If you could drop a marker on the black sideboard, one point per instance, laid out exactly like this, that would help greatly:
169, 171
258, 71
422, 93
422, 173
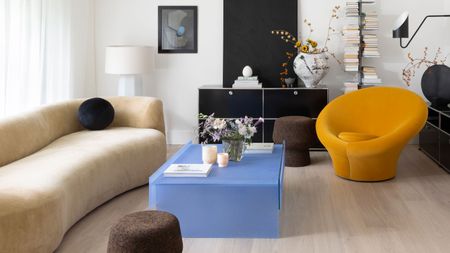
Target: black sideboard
434, 139
268, 103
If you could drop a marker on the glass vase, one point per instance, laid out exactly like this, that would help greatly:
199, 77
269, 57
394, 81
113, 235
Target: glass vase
234, 148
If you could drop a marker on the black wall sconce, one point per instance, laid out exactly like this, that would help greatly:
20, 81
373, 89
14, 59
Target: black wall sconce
401, 27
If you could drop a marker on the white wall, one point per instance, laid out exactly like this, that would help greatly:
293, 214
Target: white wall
177, 77
434, 34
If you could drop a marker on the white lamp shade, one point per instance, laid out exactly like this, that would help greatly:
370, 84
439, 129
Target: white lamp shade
128, 60
401, 20
401, 27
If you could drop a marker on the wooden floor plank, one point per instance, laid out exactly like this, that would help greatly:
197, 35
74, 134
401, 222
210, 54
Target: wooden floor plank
321, 213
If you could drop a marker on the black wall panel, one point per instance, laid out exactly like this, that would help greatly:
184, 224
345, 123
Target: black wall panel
248, 39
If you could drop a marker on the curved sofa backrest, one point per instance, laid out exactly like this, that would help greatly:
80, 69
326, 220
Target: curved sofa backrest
25, 134
376, 110
139, 112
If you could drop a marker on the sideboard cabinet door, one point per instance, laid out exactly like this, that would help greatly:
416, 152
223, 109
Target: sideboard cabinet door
444, 150
429, 140
294, 102
231, 103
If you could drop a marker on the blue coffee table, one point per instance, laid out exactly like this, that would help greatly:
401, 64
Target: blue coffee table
242, 200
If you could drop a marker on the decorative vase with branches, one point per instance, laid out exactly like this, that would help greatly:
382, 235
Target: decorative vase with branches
310, 60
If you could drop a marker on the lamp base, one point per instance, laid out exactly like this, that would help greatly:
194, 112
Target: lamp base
130, 85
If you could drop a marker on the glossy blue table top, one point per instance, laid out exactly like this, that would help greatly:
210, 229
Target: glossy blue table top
259, 169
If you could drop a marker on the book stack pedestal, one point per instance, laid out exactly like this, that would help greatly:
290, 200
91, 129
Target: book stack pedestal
361, 42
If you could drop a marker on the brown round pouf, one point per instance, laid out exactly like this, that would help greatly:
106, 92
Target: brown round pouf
298, 133
147, 231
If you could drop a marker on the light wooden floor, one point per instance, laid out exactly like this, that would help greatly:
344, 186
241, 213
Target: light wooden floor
321, 213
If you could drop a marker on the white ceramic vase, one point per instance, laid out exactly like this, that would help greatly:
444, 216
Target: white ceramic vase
311, 68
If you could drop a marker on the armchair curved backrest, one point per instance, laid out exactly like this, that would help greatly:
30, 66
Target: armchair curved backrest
391, 115
377, 110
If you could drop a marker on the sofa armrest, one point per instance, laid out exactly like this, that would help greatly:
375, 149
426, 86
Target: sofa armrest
139, 112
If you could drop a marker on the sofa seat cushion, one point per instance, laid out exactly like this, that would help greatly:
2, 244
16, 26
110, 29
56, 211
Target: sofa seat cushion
44, 194
355, 137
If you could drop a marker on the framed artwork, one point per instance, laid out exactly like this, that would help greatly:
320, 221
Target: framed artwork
177, 29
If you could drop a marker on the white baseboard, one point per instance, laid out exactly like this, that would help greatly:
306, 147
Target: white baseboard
180, 136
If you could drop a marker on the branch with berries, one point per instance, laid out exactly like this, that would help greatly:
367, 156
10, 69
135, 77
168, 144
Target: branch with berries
307, 46
414, 64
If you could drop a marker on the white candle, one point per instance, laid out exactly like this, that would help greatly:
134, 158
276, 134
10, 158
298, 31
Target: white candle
209, 154
222, 159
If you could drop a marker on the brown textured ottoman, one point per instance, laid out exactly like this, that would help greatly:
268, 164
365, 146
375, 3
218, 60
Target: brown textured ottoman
298, 133
147, 231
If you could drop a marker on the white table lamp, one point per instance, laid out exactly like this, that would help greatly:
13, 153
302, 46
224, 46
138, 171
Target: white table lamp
129, 62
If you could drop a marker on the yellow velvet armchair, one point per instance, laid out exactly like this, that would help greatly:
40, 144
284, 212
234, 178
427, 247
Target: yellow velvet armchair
366, 130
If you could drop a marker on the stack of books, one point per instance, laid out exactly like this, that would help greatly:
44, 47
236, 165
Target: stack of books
350, 86
247, 82
361, 42
370, 46
188, 170
351, 59
352, 36
371, 21
370, 76
352, 9
368, 2
370, 37
260, 148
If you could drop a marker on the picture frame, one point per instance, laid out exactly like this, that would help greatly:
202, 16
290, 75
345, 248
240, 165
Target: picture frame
177, 29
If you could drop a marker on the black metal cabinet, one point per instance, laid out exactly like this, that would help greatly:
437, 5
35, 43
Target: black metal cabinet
269, 103
434, 139
304, 102
429, 141
268, 130
231, 103
444, 150
433, 117
316, 142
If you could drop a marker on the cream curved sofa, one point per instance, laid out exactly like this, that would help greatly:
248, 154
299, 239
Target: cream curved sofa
53, 172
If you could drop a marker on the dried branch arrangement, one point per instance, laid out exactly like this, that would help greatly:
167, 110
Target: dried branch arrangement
307, 45
414, 64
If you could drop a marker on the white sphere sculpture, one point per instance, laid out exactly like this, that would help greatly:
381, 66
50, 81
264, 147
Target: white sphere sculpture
247, 71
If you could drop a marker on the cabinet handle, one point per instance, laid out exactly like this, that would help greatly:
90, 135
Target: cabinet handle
230, 93
295, 93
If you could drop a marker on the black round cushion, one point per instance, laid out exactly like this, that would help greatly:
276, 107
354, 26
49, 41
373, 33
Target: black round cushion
96, 114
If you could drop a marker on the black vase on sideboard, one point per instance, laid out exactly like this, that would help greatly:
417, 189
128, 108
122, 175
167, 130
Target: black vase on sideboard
436, 85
